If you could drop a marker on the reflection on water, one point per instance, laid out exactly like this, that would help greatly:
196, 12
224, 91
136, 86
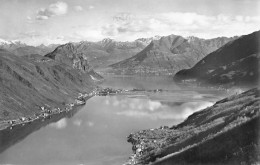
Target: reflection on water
9, 137
153, 109
96, 135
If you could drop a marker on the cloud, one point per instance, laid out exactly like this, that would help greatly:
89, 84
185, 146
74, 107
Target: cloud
90, 124
62, 123
135, 104
123, 17
153, 105
42, 17
125, 23
77, 122
91, 7
29, 34
165, 112
36, 38
129, 26
78, 8
87, 33
110, 30
28, 18
55, 9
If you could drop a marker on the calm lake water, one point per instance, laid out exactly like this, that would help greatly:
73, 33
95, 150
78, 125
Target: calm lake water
96, 133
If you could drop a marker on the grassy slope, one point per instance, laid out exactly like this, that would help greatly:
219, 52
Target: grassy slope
237, 62
227, 132
30, 82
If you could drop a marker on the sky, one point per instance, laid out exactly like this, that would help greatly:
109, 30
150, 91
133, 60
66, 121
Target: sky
46, 22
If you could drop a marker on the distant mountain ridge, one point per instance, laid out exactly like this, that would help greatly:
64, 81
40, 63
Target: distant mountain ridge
99, 54
27, 50
147, 41
237, 62
154, 55
21, 49
168, 55
11, 45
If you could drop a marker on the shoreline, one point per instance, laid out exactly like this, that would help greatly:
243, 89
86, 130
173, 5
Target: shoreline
148, 145
47, 113
180, 144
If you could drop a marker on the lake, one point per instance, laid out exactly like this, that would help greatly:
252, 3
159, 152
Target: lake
96, 133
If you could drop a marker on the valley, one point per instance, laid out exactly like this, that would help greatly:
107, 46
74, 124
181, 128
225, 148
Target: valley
97, 131
170, 96
129, 82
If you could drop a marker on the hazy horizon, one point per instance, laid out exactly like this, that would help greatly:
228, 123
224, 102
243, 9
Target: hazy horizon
36, 22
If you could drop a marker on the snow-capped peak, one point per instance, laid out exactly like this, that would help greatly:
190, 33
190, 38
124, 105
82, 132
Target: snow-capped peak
2, 42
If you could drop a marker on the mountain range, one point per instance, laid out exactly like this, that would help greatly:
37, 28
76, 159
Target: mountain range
100, 54
169, 54
220, 60
156, 55
21, 49
236, 63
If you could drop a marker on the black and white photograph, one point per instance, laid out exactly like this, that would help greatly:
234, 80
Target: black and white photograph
129, 82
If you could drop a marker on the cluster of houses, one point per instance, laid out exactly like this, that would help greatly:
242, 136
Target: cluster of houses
108, 91
46, 112
138, 151
140, 146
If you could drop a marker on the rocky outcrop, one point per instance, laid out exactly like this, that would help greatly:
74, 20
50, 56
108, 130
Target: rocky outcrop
225, 133
236, 63
168, 55
98, 54
69, 55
